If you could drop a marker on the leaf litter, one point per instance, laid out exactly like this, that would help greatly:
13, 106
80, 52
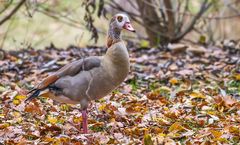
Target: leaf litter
179, 95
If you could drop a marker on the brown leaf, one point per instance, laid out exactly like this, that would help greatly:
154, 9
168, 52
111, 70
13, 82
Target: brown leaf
33, 108
229, 101
154, 96
53, 129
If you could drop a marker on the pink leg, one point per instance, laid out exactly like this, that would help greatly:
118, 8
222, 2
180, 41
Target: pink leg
85, 123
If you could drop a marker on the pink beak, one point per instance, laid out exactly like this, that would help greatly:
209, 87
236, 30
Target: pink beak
128, 27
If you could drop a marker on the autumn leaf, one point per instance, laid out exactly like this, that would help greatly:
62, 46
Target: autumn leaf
237, 76
52, 119
4, 125
16, 102
229, 101
234, 130
176, 127
177, 99
148, 139
173, 81
216, 133
77, 120
199, 95
18, 99
153, 95
33, 108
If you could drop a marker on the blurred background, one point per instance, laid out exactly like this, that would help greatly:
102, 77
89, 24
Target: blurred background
40, 23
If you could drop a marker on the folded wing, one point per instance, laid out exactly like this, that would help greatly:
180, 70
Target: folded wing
68, 70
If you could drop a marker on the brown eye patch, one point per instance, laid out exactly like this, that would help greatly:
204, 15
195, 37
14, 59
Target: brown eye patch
119, 18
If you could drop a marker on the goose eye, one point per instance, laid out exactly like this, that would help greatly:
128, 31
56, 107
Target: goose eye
119, 18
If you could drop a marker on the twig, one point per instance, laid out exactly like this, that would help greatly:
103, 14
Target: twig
12, 12
133, 5
203, 8
193, 15
119, 7
6, 7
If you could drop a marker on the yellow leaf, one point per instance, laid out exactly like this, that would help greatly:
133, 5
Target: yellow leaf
102, 107
52, 120
64, 140
148, 139
19, 120
237, 76
16, 114
65, 107
112, 120
16, 102
234, 130
162, 134
4, 125
48, 139
216, 133
77, 120
173, 81
2, 115
144, 43
176, 127
197, 95
20, 97
165, 108
222, 140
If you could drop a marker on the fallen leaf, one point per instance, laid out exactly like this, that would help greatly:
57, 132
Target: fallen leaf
195, 95
148, 139
176, 127
216, 133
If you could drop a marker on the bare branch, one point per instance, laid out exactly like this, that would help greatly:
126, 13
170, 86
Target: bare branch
204, 7
192, 15
12, 12
6, 7
119, 7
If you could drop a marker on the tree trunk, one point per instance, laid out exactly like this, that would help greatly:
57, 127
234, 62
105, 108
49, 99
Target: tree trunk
157, 32
170, 19
149, 20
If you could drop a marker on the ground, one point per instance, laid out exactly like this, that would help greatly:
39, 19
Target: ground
173, 95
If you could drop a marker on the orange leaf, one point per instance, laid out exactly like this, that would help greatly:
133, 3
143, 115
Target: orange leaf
33, 108
237, 76
173, 81
154, 96
216, 134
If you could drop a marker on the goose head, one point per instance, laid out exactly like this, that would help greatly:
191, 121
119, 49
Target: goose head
121, 21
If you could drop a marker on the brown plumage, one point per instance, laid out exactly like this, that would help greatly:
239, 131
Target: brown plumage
91, 78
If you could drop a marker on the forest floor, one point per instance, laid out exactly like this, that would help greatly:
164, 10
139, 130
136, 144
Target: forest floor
171, 96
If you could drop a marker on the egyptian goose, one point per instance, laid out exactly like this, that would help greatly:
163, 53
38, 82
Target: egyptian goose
93, 77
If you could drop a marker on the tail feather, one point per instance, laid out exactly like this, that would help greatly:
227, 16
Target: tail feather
35, 94
32, 90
